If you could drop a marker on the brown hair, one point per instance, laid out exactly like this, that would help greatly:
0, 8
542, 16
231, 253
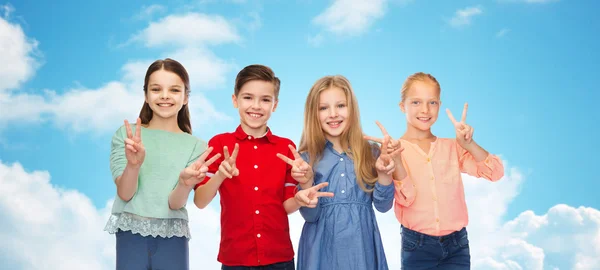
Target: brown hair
256, 72
183, 116
352, 140
419, 76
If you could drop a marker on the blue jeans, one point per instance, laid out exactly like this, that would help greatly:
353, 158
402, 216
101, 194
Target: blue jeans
289, 265
448, 252
136, 252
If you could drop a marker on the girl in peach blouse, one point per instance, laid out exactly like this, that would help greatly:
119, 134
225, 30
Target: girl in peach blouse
429, 197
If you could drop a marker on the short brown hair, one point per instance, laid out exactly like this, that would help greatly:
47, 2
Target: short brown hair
256, 72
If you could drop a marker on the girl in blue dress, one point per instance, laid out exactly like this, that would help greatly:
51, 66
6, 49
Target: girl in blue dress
341, 232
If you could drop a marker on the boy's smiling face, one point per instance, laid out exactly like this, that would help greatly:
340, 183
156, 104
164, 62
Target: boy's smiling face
255, 103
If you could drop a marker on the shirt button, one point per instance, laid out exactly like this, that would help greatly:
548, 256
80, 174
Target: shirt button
255, 147
249, 137
428, 159
437, 220
255, 166
432, 178
257, 212
255, 188
258, 235
343, 191
341, 159
342, 175
434, 198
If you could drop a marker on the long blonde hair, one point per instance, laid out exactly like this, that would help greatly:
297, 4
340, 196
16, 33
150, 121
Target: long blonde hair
352, 141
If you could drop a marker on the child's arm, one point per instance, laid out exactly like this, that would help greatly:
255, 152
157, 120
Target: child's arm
473, 159
383, 194
130, 151
476, 161
227, 169
189, 177
205, 193
298, 172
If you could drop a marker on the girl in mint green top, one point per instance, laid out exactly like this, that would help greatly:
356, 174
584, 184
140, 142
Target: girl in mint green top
155, 164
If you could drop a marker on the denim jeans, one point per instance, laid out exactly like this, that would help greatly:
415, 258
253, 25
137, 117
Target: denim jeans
136, 252
448, 252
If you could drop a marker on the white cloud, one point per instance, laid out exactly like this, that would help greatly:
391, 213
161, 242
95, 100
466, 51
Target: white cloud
188, 30
104, 108
148, 11
61, 222
502, 32
350, 17
48, 227
464, 16
20, 54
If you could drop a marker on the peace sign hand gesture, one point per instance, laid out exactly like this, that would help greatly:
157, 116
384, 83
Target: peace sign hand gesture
134, 149
310, 197
227, 166
301, 171
464, 132
196, 172
385, 163
393, 146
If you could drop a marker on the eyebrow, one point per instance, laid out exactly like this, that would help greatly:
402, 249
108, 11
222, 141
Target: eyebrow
172, 86
263, 96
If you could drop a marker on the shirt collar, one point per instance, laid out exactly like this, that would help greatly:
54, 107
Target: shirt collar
240, 134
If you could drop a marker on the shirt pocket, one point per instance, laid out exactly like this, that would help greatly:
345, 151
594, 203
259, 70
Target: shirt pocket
447, 170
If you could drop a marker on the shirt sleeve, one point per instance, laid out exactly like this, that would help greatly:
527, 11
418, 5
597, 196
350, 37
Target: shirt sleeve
214, 167
291, 184
491, 168
118, 161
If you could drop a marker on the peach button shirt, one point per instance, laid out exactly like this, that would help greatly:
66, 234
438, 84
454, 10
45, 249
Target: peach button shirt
431, 199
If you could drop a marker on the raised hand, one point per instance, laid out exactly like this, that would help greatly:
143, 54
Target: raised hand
310, 197
301, 171
394, 147
385, 163
196, 172
134, 149
227, 166
464, 132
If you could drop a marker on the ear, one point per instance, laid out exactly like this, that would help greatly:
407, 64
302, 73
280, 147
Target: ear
275, 105
234, 101
186, 99
401, 104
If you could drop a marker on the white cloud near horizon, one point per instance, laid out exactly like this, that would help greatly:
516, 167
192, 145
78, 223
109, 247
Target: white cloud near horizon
49, 225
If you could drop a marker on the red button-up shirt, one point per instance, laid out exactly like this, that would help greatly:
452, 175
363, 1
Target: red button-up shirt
254, 224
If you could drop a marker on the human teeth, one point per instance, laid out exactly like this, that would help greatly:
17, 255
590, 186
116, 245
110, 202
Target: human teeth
254, 115
164, 105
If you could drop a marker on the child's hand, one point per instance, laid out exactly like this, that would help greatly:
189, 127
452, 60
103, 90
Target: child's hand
196, 172
227, 166
394, 147
301, 171
385, 163
134, 149
464, 132
310, 197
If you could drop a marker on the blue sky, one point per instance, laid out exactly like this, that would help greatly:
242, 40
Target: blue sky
527, 68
